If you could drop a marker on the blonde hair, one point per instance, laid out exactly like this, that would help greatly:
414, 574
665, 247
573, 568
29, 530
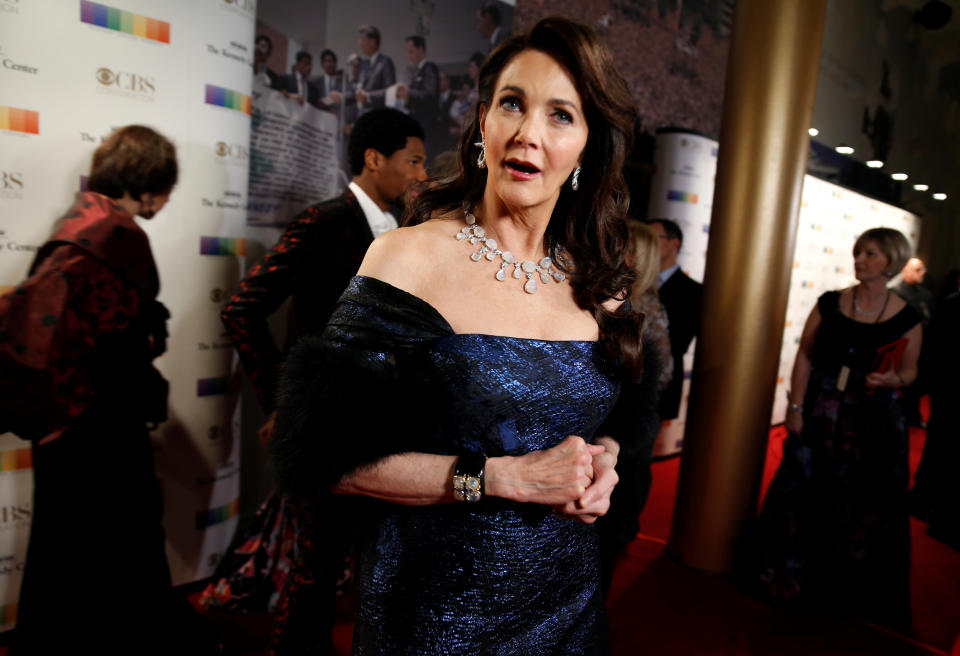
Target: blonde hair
645, 256
891, 243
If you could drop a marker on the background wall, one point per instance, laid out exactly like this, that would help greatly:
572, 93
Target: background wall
831, 218
78, 69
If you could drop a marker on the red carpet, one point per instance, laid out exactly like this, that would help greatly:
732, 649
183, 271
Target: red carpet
659, 607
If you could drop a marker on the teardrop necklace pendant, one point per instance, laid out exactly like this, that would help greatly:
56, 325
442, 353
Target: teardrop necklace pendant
490, 250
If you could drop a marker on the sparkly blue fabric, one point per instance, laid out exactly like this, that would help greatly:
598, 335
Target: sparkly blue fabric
497, 577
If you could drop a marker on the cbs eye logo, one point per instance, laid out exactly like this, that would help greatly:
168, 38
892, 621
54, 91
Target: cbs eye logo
222, 148
106, 77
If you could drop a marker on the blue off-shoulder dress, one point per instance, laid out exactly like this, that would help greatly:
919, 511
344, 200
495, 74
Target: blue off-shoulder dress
497, 577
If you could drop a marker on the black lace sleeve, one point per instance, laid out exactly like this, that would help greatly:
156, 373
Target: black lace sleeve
340, 405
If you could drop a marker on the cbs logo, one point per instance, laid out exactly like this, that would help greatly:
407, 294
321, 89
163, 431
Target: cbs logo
233, 151
11, 181
126, 81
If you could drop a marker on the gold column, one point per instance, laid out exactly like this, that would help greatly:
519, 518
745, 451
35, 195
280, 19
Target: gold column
768, 105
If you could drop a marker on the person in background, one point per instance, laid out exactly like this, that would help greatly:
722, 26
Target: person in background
297, 86
443, 121
681, 297
463, 386
77, 341
911, 290
620, 525
421, 94
466, 103
329, 80
312, 263
376, 71
834, 530
263, 46
488, 24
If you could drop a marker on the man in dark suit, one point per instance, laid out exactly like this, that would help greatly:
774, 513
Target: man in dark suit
489, 24
297, 85
313, 262
376, 72
329, 81
681, 298
424, 88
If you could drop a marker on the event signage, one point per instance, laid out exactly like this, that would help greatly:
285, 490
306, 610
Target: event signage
126, 66
15, 119
127, 22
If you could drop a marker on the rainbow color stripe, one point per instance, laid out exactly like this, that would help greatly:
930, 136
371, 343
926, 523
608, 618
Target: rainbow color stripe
19, 120
127, 22
8, 613
16, 459
683, 196
228, 98
213, 516
212, 386
222, 246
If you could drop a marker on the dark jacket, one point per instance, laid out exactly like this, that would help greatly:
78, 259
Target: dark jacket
316, 256
681, 297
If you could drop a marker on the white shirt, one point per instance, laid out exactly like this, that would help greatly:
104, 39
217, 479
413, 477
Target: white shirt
664, 275
379, 220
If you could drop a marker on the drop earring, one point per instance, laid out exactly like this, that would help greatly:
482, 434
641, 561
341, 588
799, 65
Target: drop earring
575, 182
482, 158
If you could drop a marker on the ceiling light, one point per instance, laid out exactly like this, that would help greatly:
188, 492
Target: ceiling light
813, 132
899, 176
844, 149
940, 196
874, 163
921, 187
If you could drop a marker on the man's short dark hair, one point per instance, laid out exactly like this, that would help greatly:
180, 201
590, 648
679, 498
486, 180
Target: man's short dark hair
671, 228
303, 54
264, 37
328, 53
385, 130
491, 11
135, 160
371, 33
417, 41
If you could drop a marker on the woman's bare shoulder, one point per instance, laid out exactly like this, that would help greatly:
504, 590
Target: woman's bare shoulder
402, 257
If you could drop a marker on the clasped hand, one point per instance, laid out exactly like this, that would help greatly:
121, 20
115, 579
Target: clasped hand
573, 477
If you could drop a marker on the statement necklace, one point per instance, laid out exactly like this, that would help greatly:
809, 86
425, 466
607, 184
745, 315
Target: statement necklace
491, 250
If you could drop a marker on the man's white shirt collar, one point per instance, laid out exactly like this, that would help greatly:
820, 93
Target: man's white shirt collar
664, 275
378, 220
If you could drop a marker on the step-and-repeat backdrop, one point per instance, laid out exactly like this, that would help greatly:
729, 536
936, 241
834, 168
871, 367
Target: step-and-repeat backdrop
70, 72
831, 218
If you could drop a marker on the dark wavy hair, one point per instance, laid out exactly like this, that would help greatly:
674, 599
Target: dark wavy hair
587, 225
136, 160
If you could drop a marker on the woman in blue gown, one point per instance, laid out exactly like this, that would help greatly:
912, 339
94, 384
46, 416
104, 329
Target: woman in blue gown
474, 386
